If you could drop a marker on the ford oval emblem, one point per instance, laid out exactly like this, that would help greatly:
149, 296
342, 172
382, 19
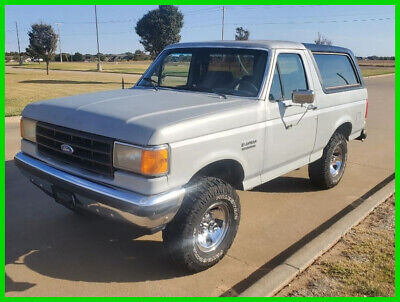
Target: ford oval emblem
67, 149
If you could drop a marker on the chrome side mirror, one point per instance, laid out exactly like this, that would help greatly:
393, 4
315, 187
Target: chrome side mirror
303, 96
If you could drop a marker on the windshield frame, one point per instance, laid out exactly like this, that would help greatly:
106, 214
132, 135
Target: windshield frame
169, 50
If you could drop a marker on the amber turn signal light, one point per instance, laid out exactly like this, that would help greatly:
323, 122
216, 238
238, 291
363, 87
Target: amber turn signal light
154, 162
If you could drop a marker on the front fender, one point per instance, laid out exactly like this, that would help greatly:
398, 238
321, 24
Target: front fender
190, 156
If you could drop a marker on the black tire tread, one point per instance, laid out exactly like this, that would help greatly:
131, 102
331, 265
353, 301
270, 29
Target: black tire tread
193, 205
318, 171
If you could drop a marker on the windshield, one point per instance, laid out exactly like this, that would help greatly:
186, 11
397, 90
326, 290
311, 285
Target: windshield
218, 70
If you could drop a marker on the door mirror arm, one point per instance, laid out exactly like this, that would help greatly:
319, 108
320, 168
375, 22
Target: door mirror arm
309, 107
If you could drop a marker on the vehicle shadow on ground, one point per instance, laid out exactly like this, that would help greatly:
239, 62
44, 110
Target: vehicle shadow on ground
54, 242
287, 184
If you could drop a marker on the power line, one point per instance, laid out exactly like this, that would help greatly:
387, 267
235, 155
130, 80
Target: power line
203, 10
207, 10
102, 22
294, 22
268, 6
131, 31
375, 16
200, 26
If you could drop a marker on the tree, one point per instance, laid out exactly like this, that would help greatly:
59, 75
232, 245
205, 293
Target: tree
242, 34
77, 57
102, 56
88, 57
159, 28
65, 57
42, 43
140, 56
129, 56
321, 40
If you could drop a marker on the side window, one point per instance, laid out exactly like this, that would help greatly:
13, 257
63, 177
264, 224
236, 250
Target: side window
275, 92
292, 73
336, 70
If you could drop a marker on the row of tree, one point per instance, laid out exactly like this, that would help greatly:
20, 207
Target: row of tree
138, 55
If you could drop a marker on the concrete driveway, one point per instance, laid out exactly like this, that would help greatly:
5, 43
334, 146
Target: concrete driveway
52, 252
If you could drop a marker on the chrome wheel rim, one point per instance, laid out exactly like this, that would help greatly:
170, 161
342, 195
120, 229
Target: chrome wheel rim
336, 161
213, 227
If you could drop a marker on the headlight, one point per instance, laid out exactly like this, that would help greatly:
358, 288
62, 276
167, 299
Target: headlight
146, 161
28, 129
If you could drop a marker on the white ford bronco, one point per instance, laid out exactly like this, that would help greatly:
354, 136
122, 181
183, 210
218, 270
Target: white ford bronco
204, 120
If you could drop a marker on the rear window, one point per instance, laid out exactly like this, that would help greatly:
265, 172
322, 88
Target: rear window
336, 70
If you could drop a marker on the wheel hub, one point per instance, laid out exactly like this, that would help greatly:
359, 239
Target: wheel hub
212, 228
336, 161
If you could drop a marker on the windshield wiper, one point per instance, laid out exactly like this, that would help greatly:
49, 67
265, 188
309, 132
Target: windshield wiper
153, 83
219, 93
223, 95
347, 82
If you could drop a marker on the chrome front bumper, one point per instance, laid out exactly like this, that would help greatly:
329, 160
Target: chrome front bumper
149, 212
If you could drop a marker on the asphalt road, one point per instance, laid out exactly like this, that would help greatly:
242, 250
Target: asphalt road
52, 252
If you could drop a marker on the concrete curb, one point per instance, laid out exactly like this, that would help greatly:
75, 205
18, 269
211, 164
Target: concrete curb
281, 275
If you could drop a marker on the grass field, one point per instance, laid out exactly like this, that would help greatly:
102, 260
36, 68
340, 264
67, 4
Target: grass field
29, 83
23, 86
376, 67
368, 71
361, 264
368, 67
137, 67
377, 63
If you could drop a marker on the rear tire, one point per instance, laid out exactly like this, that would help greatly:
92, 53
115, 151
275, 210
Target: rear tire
204, 228
327, 172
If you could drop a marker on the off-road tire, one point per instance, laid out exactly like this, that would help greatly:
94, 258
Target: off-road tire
180, 234
319, 171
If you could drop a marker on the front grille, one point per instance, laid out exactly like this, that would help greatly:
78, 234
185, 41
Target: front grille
90, 152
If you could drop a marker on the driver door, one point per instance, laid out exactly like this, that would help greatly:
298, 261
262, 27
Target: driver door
291, 128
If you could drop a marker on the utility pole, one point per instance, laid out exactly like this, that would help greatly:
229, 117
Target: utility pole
98, 48
59, 40
19, 47
223, 21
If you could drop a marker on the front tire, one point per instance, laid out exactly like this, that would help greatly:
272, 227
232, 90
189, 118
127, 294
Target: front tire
204, 228
327, 172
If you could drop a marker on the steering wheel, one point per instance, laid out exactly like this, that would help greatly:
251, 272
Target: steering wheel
248, 84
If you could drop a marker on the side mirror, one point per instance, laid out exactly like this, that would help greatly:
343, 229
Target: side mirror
303, 96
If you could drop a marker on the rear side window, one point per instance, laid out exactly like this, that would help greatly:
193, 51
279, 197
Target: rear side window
336, 70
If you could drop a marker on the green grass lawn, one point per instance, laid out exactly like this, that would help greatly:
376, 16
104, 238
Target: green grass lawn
24, 86
361, 264
373, 71
137, 67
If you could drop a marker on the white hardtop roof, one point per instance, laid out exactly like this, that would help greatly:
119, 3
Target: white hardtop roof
255, 44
